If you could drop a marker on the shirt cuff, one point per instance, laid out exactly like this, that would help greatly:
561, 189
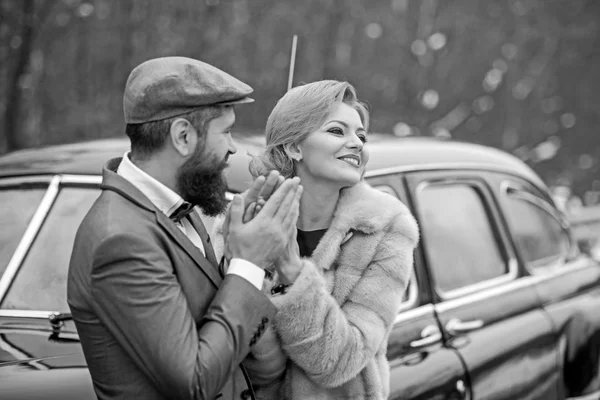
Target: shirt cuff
250, 272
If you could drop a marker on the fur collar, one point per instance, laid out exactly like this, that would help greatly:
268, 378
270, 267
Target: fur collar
365, 209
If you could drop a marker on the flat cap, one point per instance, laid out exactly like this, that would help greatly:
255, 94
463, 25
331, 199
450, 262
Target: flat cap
166, 87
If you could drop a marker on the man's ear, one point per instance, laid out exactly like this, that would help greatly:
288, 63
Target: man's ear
293, 151
183, 136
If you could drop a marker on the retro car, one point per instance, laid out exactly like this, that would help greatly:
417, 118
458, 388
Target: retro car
502, 304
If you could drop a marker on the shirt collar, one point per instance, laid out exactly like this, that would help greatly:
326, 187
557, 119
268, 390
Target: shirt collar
165, 199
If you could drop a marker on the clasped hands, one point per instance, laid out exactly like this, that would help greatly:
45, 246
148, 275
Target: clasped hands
260, 225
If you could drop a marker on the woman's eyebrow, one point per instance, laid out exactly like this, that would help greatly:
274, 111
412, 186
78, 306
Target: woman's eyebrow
360, 128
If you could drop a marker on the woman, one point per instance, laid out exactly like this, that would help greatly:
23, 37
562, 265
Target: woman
339, 289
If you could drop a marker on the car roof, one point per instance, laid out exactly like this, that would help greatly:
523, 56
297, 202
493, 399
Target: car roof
387, 154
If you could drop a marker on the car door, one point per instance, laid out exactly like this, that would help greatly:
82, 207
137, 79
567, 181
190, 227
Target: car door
489, 311
568, 282
421, 367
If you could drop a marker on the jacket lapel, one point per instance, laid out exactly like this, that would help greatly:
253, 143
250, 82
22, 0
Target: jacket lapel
180, 238
116, 183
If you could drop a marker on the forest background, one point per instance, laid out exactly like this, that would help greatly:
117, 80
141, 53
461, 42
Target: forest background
519, 75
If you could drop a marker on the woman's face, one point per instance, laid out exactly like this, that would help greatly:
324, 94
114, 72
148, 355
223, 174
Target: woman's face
335, 152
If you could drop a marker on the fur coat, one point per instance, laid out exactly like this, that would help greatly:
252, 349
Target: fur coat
332, 326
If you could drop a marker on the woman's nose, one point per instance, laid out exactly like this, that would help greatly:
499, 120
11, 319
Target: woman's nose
355, 143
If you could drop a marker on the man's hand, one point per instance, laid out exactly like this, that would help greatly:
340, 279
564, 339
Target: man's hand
263, 239
262, 188
254, 198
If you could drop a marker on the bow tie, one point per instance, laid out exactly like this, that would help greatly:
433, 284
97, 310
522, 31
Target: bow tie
182, 211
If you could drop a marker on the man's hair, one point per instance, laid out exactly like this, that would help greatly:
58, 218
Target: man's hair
301, 111
149, 137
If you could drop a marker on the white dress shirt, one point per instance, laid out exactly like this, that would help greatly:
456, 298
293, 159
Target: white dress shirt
167, 201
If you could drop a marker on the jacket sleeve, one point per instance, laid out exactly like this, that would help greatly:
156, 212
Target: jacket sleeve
333, 343
266, 361
137, 296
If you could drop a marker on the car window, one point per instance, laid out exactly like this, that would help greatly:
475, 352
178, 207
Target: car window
536, 227
41, 283
17, 207
459, 236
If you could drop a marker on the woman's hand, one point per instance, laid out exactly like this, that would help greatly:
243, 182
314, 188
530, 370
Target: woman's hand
289, 265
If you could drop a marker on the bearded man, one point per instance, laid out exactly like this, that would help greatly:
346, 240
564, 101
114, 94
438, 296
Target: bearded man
156, 315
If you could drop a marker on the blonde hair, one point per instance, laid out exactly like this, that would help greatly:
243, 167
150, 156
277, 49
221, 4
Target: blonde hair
301, 111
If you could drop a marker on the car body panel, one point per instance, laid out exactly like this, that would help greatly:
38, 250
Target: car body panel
423, 371
571, 298
35, 364
523, 351
526, 332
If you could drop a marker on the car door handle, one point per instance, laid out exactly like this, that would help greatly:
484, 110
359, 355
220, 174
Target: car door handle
430, 335
455, 326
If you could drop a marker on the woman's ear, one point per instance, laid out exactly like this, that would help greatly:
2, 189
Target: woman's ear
293, 151
183, 136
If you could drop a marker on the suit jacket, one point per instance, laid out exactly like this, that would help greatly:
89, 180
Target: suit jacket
334, 322
155, 318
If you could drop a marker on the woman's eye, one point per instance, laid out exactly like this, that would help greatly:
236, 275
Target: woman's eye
363, 138
336, 131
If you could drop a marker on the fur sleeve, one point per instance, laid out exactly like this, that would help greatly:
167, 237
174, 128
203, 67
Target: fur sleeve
333, 343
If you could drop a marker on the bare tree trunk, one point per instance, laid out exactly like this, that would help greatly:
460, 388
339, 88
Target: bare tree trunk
13, 107
336, 18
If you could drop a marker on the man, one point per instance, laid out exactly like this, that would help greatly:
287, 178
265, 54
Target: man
156, 317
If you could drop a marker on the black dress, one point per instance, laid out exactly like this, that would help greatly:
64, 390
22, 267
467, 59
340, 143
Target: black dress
308, 241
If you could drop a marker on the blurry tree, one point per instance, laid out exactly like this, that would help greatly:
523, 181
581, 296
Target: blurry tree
515, 74
19, 26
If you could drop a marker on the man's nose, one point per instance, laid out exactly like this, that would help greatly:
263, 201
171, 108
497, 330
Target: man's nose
231, 145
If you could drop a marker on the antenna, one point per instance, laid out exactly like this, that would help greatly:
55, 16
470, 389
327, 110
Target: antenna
292, 61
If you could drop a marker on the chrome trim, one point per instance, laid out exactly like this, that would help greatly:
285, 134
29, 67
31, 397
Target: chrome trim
591, 396
457, 327
26, 313
483, 295
512, 191
430, 335
509, 287
531, 198
81, 179
450, 166
511, 262
555, 270
20, 356
19, 180
413, 294
406, 316
29, 236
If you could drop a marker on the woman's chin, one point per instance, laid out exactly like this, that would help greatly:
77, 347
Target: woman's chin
348, 181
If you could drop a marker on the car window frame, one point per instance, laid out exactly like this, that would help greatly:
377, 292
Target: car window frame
413, 289
31, 232
494, 213
547, 264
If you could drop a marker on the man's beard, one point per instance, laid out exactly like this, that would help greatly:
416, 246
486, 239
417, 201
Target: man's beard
201, 182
